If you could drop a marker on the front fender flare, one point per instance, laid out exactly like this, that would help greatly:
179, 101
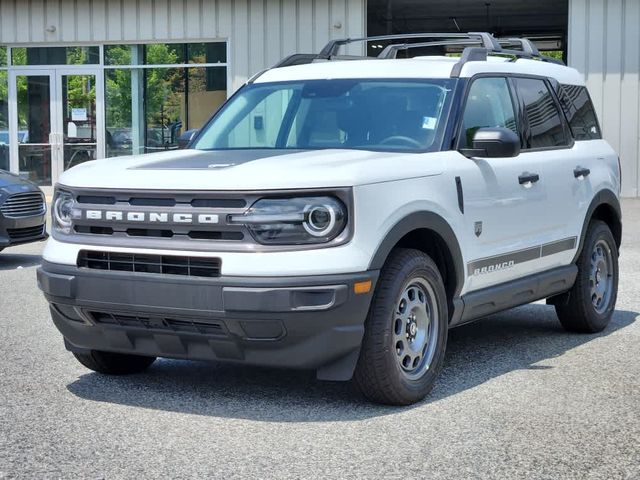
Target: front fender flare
422, 220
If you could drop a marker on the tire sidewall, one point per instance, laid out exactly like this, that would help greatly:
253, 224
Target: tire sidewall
419, 267
598, 231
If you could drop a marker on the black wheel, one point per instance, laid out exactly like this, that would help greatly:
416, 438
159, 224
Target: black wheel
592, 299
405, 332
111, 363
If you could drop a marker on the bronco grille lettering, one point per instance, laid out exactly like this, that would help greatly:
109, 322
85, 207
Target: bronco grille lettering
152, 217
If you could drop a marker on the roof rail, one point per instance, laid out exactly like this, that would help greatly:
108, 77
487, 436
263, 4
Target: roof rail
478, 45
488, 41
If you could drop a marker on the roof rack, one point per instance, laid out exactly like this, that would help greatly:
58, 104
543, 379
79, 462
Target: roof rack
478, 45
488, 41
528, 49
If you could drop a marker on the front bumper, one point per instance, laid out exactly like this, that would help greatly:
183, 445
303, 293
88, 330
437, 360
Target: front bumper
16, 231
294, 322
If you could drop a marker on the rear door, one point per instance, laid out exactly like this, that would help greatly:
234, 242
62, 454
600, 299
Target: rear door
594, 166
549, 147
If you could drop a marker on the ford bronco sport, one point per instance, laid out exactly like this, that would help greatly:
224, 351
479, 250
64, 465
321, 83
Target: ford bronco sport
340, 214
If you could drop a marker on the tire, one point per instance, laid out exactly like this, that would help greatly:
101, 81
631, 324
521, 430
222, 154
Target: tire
111, 363
592, 299
383, 373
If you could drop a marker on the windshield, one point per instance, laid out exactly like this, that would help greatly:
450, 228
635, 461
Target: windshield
393, 115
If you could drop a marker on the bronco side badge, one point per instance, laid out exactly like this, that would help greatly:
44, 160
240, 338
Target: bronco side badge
477, 227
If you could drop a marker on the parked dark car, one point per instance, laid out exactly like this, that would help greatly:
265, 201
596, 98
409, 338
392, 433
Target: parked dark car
22, 211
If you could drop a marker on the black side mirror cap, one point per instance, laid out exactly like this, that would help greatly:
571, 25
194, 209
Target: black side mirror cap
494, 142
186, 137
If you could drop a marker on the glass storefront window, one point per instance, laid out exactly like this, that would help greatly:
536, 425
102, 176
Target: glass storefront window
147, 109
4, 119
207, 52
123, 54
165, 53
34, 128
55, 55
153, 93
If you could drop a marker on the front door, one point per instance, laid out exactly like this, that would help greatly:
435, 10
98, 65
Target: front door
506, 200
56, 121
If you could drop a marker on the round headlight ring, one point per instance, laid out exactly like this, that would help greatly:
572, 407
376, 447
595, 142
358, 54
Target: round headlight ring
314, 226
62, 209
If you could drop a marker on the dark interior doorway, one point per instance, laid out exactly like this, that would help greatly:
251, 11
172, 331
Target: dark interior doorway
544, 21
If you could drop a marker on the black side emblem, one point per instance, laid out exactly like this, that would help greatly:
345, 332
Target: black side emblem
477, 228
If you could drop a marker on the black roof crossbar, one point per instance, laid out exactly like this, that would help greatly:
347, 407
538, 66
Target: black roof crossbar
391, 51
487, 40
529, 50
524, 43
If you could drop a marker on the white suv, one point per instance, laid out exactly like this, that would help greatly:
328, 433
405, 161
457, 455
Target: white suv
341, 214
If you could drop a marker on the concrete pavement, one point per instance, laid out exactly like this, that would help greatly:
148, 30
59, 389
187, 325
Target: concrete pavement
518, 397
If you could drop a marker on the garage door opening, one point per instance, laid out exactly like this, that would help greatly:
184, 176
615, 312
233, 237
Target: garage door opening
543, 21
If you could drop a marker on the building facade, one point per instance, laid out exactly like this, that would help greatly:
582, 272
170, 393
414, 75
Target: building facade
85, 79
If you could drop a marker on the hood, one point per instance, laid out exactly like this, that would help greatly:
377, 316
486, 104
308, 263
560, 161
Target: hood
12, 180
250, 169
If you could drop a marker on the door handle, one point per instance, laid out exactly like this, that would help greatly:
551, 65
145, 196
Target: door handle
527, 178
579, 172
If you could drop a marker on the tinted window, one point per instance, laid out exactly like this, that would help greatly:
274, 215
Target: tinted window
488, 105
545, 125
579, 110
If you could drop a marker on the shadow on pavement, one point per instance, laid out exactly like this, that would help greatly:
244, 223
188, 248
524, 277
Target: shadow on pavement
11, 261
509, 341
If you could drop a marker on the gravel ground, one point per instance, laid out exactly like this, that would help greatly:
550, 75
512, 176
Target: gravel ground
518, 398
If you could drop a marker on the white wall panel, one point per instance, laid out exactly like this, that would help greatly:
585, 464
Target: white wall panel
260, 32
604, 44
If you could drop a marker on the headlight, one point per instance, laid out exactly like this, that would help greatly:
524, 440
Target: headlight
294, 221
63, 211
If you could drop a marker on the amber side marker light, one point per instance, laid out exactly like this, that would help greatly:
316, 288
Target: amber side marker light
362, 287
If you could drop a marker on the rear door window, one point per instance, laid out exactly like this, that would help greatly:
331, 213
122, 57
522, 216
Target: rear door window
544, 123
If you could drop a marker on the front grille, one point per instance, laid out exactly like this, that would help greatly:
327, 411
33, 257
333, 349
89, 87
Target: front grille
145, 263
162, 226
159, 323
22, 205
18, 234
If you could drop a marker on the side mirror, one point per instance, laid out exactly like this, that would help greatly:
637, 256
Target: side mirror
493, 142
185, 138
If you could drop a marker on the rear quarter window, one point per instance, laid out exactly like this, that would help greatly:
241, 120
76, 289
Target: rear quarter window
579, 111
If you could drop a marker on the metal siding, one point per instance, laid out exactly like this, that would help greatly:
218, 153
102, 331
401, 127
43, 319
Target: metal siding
98, 25
260, 32
130, 12
176, 20
145, 18
604, 45
37, 27
8, 19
